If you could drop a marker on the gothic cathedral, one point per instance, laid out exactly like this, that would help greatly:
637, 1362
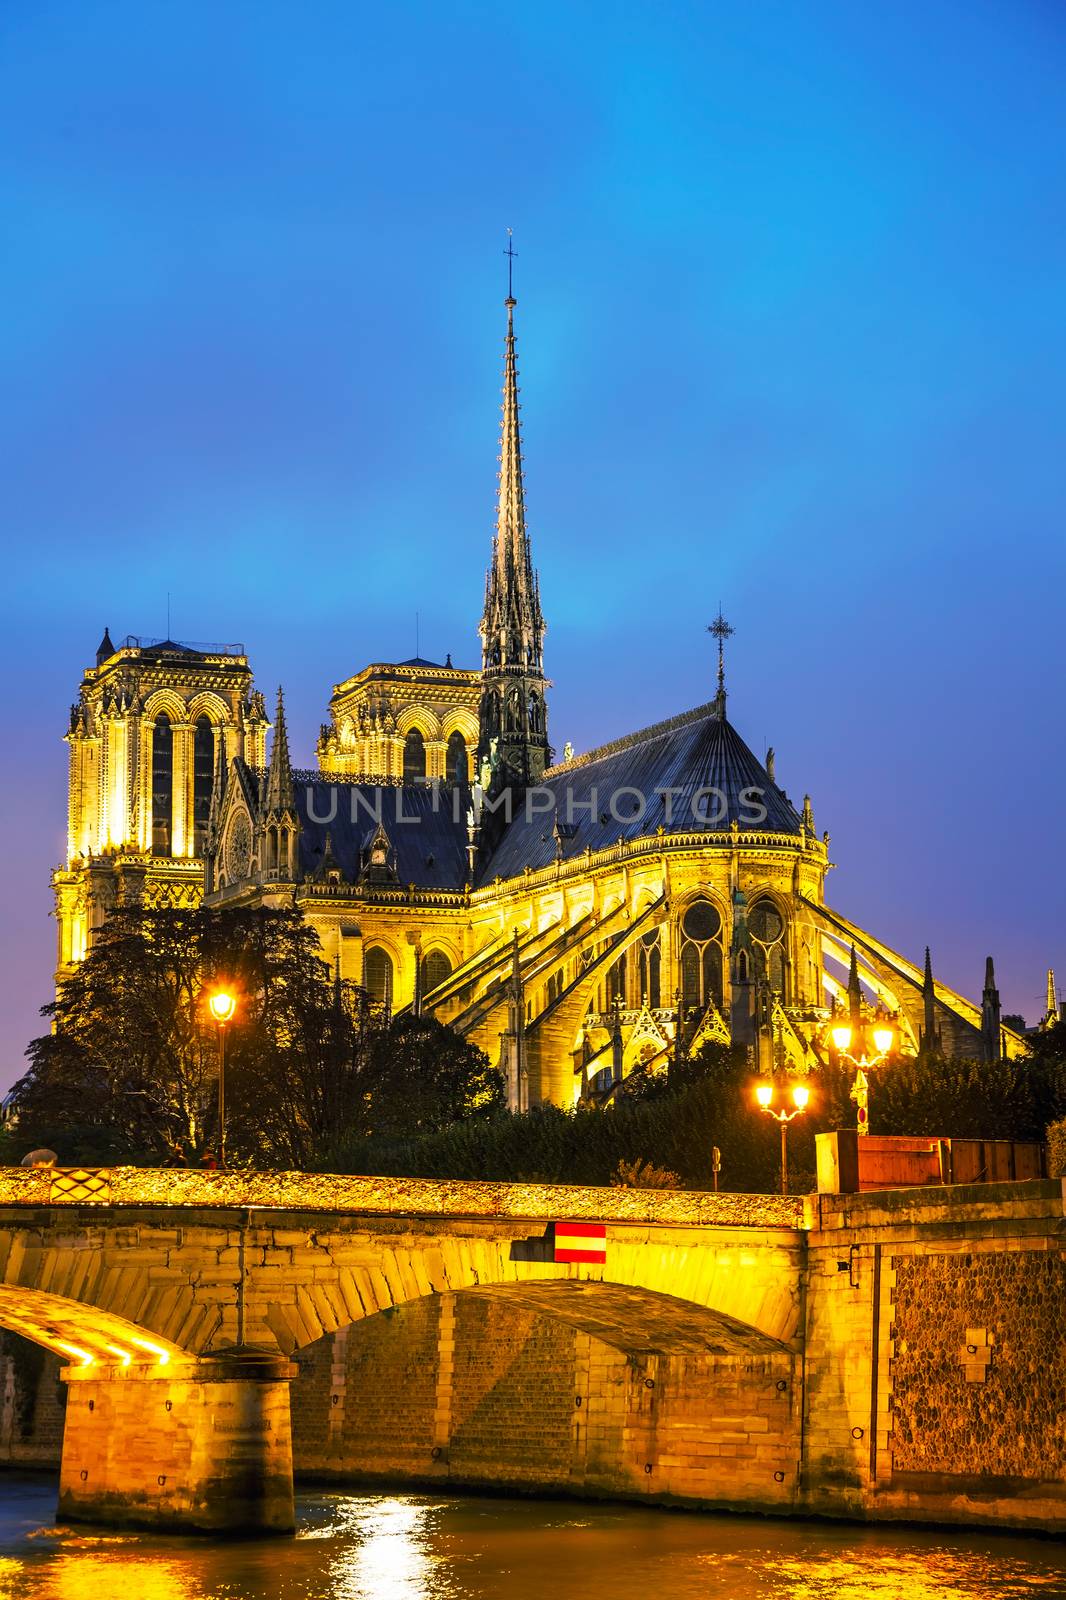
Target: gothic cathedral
581, 920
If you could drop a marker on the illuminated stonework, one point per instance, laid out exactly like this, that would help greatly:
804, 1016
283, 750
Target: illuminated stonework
151, 722
575, 939
416, 717
423, 1197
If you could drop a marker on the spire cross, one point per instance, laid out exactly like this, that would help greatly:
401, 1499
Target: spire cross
512, 256
722, 631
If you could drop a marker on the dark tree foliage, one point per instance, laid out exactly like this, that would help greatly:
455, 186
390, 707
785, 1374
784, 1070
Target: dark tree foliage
672, 1122
130, 1069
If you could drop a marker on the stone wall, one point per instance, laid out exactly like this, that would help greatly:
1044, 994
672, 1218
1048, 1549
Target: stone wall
32, 1403
206, 1445
979, 1376
936, 1356
478, 1392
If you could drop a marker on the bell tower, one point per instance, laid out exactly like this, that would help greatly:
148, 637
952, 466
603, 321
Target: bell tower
513, 747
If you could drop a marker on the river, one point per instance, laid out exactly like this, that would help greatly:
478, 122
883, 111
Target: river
388, 1546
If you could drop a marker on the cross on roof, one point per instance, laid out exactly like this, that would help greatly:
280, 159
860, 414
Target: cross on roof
722, 631
512, 256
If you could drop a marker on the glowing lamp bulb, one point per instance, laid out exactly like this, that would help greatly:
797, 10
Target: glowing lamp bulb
764, 1093
883, 1039
842, 1037
800, 1094
222, 1006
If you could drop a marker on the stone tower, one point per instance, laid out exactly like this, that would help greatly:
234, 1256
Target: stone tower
145, 737
513, 744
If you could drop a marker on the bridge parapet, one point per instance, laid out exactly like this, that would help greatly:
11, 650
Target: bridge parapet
408, 1197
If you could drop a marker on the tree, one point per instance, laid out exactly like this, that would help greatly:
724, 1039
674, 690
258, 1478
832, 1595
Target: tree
130, 1068
422, 1076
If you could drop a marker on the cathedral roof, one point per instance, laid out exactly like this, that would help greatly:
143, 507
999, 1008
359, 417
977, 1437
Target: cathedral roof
692, 774
427, 836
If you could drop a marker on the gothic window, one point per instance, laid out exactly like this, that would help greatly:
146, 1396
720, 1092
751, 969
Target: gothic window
534, 714
616, 981
767, 928
203, 779
650, 962
162, 785
456, 765
377, 975
414, 758
514, 711
436, 969
701, 956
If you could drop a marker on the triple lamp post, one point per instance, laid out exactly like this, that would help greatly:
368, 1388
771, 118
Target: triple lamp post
883, 1038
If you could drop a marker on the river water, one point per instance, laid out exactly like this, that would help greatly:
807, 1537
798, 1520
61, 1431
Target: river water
366, 1546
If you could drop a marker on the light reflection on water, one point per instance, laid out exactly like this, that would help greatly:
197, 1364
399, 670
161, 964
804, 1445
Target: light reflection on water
389, 1546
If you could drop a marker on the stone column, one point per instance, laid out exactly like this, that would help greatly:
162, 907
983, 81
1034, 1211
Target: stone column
181, 842
201, 1445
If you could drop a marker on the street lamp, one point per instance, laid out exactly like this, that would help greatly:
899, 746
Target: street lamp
764, 1094
222, 1005
883, 1038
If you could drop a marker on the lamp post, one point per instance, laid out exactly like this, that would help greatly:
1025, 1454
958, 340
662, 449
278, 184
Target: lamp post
883, 1038
764, 1094
222, 1005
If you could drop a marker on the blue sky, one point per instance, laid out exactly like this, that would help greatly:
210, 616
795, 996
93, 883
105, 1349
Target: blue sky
792, 338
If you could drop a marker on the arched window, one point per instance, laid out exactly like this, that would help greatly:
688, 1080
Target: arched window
457, 766
414, 758
616, 981
767, 928
650, 959
436, 969
162, 784
701, 956
377, 975
203, 779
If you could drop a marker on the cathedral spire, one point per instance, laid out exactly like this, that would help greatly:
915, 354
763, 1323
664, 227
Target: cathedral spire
514, 737
991, 1033
280, 795
930, 1034
854, 991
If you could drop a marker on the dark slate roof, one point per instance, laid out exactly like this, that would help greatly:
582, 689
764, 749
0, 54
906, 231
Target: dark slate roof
689, 754
418, 661
426, 828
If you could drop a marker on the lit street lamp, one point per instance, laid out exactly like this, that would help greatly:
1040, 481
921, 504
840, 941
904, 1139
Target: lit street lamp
883, 1038
764, 1094
222, 1006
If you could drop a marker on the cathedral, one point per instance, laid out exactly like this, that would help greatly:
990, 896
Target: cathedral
581, 920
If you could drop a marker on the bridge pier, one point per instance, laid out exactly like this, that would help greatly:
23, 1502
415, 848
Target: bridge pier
201, 1445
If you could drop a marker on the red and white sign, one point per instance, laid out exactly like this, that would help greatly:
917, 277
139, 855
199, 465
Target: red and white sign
581, 1241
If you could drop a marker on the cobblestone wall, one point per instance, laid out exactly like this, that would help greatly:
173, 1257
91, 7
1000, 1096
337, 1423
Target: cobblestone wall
979, 1375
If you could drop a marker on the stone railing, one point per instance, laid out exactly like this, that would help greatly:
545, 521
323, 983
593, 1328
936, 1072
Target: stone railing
412, 1197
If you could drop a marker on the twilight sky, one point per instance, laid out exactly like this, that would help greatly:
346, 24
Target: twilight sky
792, 337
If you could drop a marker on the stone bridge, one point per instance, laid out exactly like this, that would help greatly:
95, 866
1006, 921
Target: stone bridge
877, 1355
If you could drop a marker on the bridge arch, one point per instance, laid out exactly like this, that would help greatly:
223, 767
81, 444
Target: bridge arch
735, 1291
84, 1335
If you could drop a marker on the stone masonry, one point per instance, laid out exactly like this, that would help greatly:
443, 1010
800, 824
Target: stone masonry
893, 1355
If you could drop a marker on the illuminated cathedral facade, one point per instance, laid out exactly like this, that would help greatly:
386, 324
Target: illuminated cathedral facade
581, 920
